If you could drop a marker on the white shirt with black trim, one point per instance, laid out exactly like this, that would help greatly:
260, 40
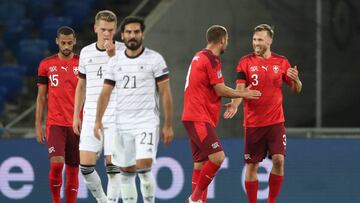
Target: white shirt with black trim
135, 83
92, 65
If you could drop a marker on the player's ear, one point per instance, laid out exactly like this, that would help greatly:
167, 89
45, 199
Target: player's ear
74, 40
122, 36
57, 41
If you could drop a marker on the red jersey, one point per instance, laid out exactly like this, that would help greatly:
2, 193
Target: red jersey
201, 103
60, 77
267, 76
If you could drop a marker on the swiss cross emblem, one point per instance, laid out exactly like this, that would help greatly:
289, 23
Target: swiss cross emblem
76, 70
276, 68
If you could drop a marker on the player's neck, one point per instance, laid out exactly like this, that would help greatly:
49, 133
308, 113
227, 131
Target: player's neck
134, 53
266, 54
214, 49
63, 57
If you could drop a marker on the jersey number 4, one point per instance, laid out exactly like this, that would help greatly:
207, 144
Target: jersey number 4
99, 72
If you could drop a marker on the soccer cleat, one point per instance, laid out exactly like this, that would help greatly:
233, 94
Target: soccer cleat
189, 200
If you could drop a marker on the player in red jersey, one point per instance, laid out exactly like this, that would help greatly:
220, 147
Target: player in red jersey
57, 79
202, 104
264, 118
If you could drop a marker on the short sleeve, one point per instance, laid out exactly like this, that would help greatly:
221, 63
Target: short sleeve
82, 69
109, 69
42, 74
214, 72
160, 68
241, 72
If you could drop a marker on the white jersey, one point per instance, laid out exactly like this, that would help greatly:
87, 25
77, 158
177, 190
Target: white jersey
136, 90
92, 65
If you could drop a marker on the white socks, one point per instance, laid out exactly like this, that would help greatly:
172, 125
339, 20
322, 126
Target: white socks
147, 185
93, 182
128, 187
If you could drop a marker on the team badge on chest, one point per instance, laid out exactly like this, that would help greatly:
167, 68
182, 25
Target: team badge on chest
275, 68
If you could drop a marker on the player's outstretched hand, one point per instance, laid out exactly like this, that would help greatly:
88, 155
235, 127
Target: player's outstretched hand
293, 73
77, 126
98, 130
230, 111
40, 135
110, 48
167, 135
252, 94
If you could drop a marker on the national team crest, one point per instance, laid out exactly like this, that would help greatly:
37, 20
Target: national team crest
76, 70
254, 68
275, 68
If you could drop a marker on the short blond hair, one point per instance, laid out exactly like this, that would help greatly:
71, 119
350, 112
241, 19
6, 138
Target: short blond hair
265, 27
106, 15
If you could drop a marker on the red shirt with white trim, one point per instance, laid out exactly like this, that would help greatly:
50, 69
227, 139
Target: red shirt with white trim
267, 76
201, 103
60, 77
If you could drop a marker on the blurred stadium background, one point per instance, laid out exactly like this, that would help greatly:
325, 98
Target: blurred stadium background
321, 37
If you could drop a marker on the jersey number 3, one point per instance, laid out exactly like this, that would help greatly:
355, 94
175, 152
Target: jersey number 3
255, 81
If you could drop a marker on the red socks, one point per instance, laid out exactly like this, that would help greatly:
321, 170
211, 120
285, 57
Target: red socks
72, 183
55, 181
251, 190
195, 177
207, 173
275, 182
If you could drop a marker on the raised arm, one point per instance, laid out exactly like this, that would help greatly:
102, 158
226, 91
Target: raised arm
232, 107
166, 98
296, 84
224, 91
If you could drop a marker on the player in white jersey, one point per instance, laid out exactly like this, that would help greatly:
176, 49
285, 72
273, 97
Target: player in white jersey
139, 76
93, 59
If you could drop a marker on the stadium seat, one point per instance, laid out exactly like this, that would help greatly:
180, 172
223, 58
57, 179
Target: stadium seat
12, 68
16, 30
49, 28
12, 10
30, 53
40, 9
77, 11
12, 83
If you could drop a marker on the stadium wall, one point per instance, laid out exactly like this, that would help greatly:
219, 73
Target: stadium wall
317, 171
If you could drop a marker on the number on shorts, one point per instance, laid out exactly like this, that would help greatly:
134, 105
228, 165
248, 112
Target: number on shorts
144, 136
284, 141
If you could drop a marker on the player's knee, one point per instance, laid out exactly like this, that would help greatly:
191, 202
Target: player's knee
217, 158
278, 161
127, 177
145, 175
112, 169
87, 169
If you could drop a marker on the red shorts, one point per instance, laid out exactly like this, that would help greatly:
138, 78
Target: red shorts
260, 140
203, 139
62, 141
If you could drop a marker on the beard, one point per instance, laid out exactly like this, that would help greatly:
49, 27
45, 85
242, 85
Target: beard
133, 44
259, 50
66, 52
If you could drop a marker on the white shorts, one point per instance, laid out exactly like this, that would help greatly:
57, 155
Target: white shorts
88, 141
131, 145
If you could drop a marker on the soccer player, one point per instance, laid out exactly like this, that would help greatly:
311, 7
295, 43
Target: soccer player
202, 103
93, 59
139, 76
56, 81
264, 118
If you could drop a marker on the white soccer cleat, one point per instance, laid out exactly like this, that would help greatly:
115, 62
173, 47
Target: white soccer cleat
189, 200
